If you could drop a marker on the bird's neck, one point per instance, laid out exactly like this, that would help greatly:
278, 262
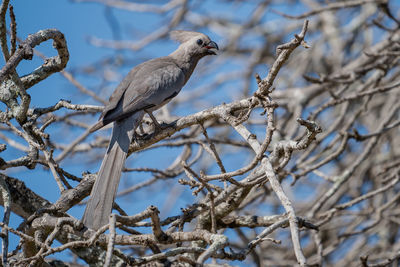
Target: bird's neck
185, 61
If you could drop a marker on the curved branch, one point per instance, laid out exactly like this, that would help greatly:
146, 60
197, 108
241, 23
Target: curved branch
25, 51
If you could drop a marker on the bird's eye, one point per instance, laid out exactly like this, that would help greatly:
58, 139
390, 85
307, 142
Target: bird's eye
199, 42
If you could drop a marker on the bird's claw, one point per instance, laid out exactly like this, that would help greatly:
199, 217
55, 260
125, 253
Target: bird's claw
160, 127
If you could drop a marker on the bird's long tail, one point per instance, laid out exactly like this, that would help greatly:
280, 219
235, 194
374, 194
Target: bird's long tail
99, 206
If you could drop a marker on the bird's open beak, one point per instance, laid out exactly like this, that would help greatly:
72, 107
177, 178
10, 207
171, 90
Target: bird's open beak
212, 45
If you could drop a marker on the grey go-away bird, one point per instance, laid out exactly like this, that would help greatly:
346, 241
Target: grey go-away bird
146, 88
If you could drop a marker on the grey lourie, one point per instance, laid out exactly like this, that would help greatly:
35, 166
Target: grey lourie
146, 88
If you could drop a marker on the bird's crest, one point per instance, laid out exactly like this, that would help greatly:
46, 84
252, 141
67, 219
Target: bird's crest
183, 36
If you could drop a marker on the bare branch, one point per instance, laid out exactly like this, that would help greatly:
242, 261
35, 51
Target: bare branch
25, 51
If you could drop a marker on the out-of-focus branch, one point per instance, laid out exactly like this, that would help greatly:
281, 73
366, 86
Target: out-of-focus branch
136, 6
332, 6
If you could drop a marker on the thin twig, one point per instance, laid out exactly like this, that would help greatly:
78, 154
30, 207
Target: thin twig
13, 31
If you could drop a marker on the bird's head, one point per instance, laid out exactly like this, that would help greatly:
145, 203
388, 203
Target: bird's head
195, 43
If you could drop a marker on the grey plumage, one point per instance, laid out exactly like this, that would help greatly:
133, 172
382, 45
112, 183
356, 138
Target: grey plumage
146, 88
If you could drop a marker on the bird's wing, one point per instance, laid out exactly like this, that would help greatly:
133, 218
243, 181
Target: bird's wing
147, 86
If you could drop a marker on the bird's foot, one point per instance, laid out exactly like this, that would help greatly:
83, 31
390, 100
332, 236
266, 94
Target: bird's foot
160, 127
157, 126
137, 137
